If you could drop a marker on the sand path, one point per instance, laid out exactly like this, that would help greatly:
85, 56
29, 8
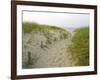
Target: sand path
55, 55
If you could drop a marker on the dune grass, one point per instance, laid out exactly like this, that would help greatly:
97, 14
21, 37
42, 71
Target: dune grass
79, 47
29, 26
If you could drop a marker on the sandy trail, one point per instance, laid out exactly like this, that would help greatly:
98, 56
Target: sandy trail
55, 55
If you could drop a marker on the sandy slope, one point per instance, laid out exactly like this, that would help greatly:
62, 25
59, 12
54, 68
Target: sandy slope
53, 55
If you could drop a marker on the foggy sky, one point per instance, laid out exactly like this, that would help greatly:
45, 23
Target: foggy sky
66, 20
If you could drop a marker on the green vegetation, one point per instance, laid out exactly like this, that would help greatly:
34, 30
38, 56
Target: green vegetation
29, 26
79, 47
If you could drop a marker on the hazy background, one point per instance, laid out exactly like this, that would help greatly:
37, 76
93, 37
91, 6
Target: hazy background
66, 20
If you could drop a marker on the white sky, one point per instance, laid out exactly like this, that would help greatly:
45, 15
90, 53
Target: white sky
66, 20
